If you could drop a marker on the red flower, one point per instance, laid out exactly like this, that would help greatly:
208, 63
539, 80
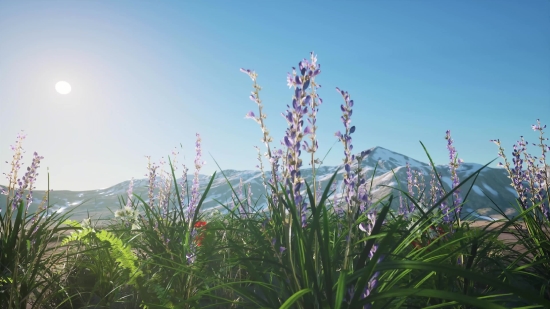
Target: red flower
199, 224
432, 233
416, 244
200, 237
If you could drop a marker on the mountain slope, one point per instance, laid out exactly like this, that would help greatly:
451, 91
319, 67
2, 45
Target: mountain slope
492, 182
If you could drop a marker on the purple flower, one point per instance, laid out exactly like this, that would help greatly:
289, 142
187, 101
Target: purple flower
240, 189
267, 139
152, 177
345, 138
195, 188
240, 198
15, 166
274, 161
250, 115
248, 198
410, 207
290, 79
539, 181
254, 98
130, 189
453, 166
183, 186
371, 285
301, 104
164, 194
190, 258
27, 182
250, 73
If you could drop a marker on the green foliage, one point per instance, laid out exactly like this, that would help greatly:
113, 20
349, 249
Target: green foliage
28, 260
122, 253
102, 264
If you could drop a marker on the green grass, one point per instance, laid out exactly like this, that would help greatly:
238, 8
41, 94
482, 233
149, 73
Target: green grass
129, 262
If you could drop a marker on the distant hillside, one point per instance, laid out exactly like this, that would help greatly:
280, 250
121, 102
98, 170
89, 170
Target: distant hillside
492, 182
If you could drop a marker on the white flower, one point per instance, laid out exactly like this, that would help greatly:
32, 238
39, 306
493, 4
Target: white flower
86, 223
128, 211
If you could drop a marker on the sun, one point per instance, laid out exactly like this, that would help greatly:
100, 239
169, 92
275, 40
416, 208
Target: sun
63, 87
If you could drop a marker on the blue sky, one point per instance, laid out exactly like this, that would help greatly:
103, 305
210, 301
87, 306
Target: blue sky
147, 75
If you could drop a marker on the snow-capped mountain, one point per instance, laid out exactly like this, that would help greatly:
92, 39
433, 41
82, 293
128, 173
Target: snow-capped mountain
492, 182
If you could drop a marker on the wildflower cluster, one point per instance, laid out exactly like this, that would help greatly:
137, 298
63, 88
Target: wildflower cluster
536, 175
195, 188
356, 196
409, 207
152, 168
266, 138
453, 166
197, 235
436, 191
15, 163
239, 200
200, 225
27, 180
372, 283
432, 234
183, 184
346, 139
129, 216
165, 187
301, 102
415, 180
127, 212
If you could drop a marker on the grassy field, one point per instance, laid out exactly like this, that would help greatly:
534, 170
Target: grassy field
304, 251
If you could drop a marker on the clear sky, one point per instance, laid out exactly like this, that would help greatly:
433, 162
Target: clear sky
147, 75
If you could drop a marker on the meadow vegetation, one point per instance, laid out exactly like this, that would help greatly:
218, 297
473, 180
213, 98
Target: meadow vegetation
304, 250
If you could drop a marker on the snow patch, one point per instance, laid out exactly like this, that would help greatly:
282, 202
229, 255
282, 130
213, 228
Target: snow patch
477, 190
513, 191
491, 190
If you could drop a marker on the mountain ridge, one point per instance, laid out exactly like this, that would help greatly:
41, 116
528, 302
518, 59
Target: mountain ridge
491, 181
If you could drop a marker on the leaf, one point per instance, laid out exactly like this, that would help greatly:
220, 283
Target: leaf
292, 299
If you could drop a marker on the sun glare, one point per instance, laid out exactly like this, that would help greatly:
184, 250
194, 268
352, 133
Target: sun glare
63, 87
